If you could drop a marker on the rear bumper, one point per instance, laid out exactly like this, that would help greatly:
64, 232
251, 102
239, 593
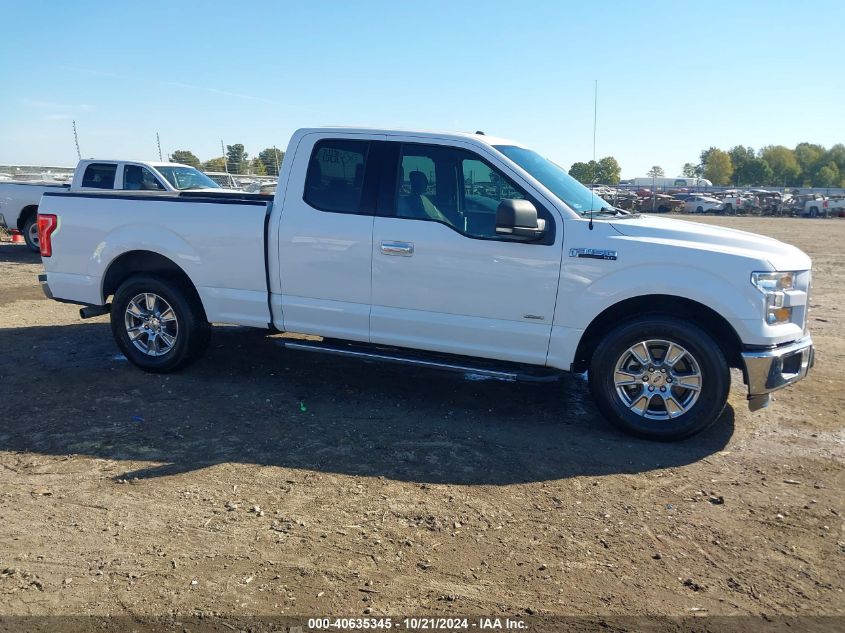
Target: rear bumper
45, 287
772, 369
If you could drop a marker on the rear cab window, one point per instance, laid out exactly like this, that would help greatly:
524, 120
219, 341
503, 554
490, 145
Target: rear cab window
335, 178
99, 176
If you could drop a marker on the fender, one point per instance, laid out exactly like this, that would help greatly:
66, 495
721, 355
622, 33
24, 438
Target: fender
140, 237
592, 298
687, 281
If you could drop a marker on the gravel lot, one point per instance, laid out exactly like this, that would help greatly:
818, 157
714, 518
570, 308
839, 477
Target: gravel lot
264, 481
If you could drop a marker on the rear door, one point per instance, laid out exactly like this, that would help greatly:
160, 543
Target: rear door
326, 235
443, 279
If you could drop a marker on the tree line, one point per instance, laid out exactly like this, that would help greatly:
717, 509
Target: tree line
807, 165
236, 161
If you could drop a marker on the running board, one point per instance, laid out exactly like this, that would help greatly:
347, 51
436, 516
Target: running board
393, 355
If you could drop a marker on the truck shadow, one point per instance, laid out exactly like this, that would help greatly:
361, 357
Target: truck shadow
18, 254
66, 390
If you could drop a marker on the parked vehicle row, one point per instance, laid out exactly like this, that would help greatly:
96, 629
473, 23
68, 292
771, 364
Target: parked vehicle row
727, 202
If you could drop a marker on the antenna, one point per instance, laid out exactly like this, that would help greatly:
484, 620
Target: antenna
158, 142
76, 142
595, 120
595, 115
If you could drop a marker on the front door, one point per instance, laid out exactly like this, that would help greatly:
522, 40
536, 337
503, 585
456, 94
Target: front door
443, 279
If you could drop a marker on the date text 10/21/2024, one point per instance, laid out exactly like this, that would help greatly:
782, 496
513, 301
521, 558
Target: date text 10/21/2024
413, 624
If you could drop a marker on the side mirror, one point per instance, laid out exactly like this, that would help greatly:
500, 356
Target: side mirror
519, 218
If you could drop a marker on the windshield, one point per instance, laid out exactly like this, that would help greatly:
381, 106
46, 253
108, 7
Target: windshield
183, 178
578, 197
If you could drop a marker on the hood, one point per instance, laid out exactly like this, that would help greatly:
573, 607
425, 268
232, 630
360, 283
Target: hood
694, 235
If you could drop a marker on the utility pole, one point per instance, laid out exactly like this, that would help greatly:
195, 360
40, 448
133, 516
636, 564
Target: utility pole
158, 142
225, 164
76, 142
276, 157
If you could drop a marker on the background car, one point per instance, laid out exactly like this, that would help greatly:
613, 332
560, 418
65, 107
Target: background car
699, 203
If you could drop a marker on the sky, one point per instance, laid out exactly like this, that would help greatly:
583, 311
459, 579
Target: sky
673, 77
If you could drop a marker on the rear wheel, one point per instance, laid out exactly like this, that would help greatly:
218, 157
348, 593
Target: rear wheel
700, 210
660, 378
30, 232
158, 324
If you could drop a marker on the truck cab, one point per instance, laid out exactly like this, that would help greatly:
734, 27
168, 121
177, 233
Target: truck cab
125, 175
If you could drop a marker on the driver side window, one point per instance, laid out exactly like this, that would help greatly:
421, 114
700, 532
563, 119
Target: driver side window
137, 178
454, 187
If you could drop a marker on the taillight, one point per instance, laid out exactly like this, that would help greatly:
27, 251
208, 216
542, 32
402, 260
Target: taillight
47, 224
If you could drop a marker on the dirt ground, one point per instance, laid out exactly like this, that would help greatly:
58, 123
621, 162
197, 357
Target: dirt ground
263, 481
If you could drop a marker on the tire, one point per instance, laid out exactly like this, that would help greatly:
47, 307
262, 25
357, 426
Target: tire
656, 409
168, 332
30, 232
700, 210
729, 209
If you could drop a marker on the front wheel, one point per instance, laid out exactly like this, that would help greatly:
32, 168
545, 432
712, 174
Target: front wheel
660, 378
159, 325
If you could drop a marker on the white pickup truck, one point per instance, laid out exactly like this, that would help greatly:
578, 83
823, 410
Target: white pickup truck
19, 200
453, 251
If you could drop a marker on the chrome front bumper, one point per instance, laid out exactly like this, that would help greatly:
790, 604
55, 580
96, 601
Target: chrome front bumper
772, 369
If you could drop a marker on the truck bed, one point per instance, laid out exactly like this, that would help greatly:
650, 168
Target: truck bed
219, 241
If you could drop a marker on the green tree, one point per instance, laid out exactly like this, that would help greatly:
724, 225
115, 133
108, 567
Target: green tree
836, 154
257, 167
608, 171
185, 157
690, 170
741, 158
236, 158
718, 168
272, 159
827, 176
702, 160
584, 173
757, 172
809, 157
784, 166
656, 172
215, 164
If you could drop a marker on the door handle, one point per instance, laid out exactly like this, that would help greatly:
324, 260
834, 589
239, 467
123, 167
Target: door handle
402, 249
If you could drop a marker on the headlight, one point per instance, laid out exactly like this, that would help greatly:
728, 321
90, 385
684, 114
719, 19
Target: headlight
774, 286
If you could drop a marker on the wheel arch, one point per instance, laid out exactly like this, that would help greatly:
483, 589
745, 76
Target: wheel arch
26, 212
141, 261
666, 305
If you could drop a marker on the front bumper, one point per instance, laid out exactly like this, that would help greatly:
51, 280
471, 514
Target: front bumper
772, 369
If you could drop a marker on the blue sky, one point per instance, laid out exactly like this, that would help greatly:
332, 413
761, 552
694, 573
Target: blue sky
674, 77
